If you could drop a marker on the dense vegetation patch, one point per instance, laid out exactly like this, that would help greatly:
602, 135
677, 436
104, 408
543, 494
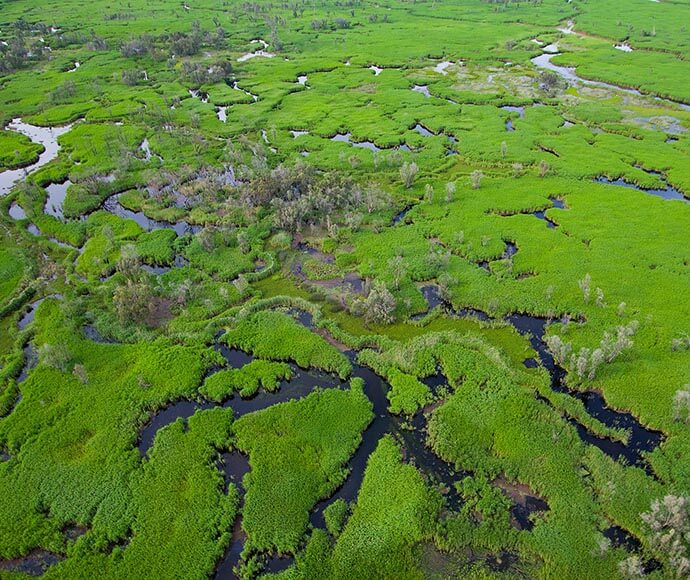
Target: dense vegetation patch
211, 216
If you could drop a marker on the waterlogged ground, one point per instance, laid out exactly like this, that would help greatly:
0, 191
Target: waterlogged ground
344, 291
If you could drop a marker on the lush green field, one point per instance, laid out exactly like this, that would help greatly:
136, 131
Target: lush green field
345, 290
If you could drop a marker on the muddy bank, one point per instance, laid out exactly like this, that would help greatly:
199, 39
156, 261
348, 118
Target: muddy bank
525, 503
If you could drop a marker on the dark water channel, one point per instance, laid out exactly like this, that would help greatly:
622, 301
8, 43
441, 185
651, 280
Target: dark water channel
409, 432
641, 439
668, 193
622, 538
28, 317
35, 563
400, 216
411, 435
541, 214
112, 205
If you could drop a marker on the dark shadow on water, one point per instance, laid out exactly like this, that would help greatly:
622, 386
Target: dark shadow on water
92, 333
28, 317
30, 362
224, 571
234, 465
400, 216
510, 251
622, 538
35, 563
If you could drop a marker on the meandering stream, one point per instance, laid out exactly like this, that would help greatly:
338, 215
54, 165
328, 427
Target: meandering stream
543, 61
46, 136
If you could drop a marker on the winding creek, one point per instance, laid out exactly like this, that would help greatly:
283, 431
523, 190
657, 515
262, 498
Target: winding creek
543, 61
234, 465
641, 439
262, 52
46, 136
113, 205
410, 432
668, 193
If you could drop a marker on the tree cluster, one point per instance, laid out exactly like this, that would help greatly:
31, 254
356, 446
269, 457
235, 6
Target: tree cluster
198, 73
300, 196
585, 363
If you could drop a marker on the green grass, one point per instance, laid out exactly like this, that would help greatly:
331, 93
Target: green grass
246, 380
11, 272
277, 336
395, 510
17, 150
297, 452
72, 436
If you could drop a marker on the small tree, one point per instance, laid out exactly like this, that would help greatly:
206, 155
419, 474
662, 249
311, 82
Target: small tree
396, 266
56, 356
408, 173
550, 83
243, 242
241, 284
631, 567
668, 527
559, 349
681, 405
129, 264
133, 301
450, 191
682, 343
446, 283
585, 286
476, 179
543, 168
379, 307
429, 193
79, 371
207, 238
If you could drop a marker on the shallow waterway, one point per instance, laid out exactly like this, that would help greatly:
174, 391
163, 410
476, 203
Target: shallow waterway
46, 136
